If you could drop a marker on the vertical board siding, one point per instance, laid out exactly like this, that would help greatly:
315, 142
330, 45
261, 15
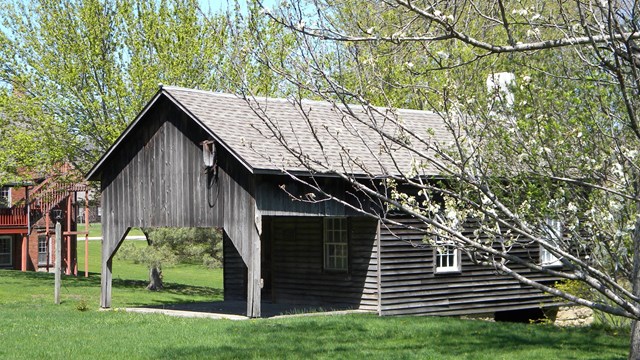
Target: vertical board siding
297, 264
157, 179
145, 185
410, 287
235, 272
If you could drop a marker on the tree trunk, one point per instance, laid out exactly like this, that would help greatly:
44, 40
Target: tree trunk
634, 350
155, 279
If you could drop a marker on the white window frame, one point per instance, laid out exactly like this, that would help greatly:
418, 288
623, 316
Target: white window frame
336, 244
5, 190
553, 230
9, 239
46, 250
446, 258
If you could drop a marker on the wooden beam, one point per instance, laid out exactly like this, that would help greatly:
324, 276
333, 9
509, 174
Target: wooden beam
86, 236
254, 280
13, 230
68, 238
46, 226
105, 283
25, 252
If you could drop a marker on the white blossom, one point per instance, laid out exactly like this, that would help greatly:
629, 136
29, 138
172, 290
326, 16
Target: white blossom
442, 54
521, 12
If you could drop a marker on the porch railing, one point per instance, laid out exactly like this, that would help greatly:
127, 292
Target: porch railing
15, 216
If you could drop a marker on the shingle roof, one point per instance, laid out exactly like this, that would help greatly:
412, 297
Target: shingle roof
316, 133
318, 130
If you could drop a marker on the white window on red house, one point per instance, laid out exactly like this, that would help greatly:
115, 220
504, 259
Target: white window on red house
336, 244
5, 197
447, 258
43, 247
553, 230
6, 243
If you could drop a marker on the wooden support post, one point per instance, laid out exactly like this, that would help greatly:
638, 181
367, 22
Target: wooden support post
86, 235
25, 252
75, 220
46, 226
68, 237
105, 283
254, 280
58, 268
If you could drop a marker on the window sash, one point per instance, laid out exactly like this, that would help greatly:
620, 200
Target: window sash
42, 250
6, 243
5, 197
447, 258
553, 233
336, 244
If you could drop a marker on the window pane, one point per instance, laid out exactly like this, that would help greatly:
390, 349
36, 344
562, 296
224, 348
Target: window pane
5, 251
335, 244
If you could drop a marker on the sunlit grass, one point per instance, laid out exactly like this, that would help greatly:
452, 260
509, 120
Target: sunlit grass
32, 327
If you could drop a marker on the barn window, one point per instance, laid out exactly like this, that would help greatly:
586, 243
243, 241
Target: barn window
5, 197
553, 233
42, 250
336, 243
5, 251
447, 258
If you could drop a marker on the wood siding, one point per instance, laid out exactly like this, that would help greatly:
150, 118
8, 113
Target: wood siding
410, 287
284, 196
297, 274
235, 272
156, 178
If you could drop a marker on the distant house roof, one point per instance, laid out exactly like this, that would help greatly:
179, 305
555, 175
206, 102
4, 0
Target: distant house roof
318, 131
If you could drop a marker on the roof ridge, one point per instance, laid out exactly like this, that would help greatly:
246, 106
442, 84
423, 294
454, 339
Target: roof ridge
283, 99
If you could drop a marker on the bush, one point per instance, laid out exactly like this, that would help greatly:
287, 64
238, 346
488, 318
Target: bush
601, 319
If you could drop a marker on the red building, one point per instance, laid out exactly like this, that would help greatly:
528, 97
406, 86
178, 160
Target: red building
27, 231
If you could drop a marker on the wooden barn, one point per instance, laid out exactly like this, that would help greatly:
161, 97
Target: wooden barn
202, 159
27, 239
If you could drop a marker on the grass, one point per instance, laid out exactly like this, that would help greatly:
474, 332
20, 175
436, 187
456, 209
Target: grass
31, 326
95, 230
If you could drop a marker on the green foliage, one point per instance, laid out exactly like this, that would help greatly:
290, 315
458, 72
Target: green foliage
82, 305
601, 319
75, 73
170, 246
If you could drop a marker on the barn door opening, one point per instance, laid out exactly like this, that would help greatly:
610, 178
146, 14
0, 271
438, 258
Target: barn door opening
188, 261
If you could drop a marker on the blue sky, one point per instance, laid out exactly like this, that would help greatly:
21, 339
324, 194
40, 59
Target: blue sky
221, 5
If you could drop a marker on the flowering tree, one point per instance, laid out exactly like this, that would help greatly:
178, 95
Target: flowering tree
546, 156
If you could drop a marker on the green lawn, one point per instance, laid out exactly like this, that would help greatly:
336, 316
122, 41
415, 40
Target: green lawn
95, 230
32, 327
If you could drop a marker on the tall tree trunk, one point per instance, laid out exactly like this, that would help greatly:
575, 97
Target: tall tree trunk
155, 279
634, 351
155, 273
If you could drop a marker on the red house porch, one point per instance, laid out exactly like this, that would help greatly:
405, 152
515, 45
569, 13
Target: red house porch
27, 236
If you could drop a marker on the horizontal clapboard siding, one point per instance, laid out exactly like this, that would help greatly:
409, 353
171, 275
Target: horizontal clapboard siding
410, 287
297, 274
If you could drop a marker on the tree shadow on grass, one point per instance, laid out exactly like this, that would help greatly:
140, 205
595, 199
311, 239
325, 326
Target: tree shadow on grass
181, 292
169, 288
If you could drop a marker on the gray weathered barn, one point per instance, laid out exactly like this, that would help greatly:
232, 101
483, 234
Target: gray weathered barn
275, 248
